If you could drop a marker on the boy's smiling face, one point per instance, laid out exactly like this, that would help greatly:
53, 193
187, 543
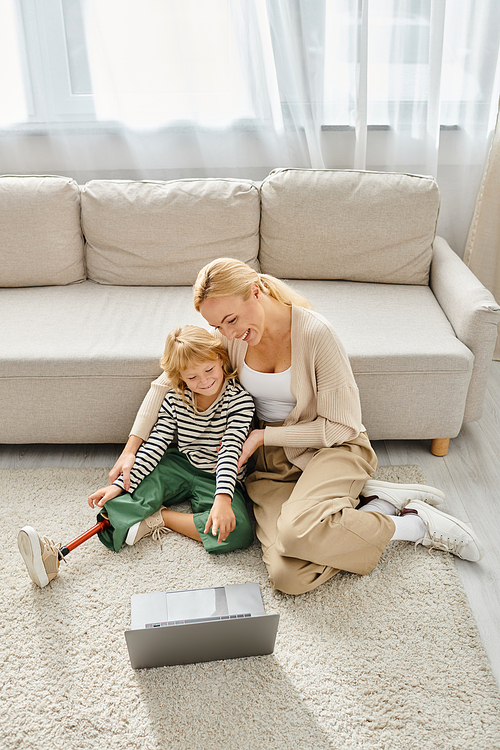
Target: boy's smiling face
205, 379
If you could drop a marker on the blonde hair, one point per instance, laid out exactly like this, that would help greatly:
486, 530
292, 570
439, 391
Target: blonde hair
189, 345
227, 277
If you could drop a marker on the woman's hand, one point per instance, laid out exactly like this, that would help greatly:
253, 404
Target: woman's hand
99, 498
221, 518
253, 441
126, 461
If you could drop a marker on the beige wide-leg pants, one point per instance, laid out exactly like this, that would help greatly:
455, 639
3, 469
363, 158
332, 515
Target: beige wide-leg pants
307, 522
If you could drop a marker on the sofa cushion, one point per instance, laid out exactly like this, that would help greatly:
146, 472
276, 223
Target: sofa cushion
403, 352
79, 359
90, 330
40, 237
162, 233
352, 225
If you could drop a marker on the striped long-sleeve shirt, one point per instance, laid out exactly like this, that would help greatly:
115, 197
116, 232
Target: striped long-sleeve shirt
211, 440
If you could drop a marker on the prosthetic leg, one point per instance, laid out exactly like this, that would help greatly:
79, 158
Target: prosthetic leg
42, 556
67, 548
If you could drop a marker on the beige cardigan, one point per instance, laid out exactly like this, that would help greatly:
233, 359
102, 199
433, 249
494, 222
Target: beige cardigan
328, 409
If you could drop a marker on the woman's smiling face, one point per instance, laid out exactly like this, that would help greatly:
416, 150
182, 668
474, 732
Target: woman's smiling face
235, 317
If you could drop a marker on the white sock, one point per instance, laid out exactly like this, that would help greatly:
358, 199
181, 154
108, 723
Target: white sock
380, 506
409, 528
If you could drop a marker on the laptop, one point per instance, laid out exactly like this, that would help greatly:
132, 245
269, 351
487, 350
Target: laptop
197, 625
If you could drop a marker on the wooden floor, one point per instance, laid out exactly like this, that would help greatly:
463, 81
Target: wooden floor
469, 475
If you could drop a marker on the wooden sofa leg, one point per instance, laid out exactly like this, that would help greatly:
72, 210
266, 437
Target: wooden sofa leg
439, 446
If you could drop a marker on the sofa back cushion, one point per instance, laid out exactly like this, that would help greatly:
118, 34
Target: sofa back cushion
162, 233
41, 242
351, 225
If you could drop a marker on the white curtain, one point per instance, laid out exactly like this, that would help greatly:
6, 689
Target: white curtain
482, 252
226, 73
162, 89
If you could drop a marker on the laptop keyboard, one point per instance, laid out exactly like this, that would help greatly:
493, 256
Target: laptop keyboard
201, 619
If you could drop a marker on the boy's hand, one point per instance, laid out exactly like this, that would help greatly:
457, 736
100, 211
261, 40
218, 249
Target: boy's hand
221, 518
99, 498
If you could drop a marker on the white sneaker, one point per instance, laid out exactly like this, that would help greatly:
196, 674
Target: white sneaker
445, 532
400, 495
41, 555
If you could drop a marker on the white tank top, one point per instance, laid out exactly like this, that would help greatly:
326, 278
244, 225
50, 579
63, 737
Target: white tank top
271, 392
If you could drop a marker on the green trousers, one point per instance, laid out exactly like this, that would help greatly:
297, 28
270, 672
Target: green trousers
172, 481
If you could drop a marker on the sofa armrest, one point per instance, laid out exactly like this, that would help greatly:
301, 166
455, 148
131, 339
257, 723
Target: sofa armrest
473, 314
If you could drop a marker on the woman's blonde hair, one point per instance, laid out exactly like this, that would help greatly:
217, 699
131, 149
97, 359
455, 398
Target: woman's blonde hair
227, 277
190, 345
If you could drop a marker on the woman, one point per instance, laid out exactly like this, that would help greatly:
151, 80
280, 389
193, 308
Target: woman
312, 457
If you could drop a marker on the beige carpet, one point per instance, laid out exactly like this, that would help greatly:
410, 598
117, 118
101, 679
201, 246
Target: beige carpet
389, 660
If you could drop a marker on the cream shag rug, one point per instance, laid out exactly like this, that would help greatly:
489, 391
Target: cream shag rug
388, 660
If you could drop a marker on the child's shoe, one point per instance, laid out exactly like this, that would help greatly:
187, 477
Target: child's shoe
40, 554
153, 526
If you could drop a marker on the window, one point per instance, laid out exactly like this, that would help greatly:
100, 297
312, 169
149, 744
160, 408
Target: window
406, 49
55, 63
13, 106
155, 63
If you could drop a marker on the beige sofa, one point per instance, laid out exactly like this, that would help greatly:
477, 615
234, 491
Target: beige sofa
93, 277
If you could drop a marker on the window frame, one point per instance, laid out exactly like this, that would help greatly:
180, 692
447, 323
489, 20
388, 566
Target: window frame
50, 98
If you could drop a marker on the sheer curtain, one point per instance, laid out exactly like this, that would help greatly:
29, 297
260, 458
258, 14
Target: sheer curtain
232, 76
162, 89
482, 252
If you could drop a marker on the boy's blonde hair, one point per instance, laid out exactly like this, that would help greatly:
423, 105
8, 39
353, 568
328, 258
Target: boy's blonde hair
227, 277
190, 345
